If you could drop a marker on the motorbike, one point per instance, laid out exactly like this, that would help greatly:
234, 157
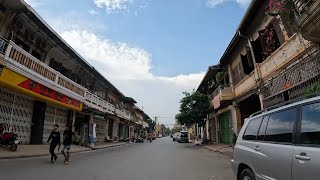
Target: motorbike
139, 140
8, 139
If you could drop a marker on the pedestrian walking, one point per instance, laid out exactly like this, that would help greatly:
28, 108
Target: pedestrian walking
67, 141
55, 140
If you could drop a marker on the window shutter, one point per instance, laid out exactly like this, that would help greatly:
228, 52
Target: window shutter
278, 30
263, 42
245, 65
250, 58
257, 50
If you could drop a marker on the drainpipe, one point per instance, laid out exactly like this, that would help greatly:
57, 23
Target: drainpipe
257, 72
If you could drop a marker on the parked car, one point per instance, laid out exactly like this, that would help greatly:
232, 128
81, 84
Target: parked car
280, 143
183, 137
160, 136
176, 136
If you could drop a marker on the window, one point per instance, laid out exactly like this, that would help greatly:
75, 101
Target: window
252, 129
263, 128
257, 49
310, 124
271, 38
280, 126
237, 73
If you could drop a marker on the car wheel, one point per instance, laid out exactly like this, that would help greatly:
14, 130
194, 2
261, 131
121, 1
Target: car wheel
247, 174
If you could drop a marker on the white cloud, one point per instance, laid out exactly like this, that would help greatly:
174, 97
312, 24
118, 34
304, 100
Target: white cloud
122, 6
129, 69
243, 2
214, 3
93, 12
113, 5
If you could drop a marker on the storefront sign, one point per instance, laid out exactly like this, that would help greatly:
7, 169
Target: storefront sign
13, 80
44, 91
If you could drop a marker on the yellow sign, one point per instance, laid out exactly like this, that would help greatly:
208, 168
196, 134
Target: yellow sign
13, 80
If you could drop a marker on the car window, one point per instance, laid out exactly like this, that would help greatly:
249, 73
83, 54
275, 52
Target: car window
310, 124
263, 127
252, 129
280, 126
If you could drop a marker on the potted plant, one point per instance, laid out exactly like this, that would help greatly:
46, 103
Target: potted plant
219, 76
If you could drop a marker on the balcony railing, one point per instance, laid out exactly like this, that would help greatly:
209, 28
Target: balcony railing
283, 55
98, 103
294, 81
3, 44
24, 61
245, 84
224, 91
302, 6
18, 59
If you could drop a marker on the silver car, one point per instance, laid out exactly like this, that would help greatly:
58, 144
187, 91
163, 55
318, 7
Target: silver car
280, 143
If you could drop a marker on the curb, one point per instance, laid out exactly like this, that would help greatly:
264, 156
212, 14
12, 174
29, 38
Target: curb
218, 150
47, 154
116, 145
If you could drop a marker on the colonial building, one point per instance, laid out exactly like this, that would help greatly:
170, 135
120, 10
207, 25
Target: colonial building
266, 63
44, 81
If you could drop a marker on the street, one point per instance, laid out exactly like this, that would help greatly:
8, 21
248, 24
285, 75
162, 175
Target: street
160, 160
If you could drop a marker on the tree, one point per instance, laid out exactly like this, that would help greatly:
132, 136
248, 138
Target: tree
167, 131
194, 108
162, 128
151, 124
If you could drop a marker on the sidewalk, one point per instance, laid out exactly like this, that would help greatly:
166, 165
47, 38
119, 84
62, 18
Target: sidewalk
221, 148
43, 150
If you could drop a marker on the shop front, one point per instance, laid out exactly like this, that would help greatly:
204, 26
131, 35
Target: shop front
30, 109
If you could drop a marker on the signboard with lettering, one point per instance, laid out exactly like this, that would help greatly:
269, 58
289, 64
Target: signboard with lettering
47, 92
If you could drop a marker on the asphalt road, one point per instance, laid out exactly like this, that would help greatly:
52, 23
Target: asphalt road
160, 160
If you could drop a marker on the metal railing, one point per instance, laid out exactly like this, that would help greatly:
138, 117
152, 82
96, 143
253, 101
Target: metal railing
3, 44
301, 6
294, 81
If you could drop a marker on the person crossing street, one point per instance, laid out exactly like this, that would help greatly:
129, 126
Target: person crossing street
67, 141
55, 140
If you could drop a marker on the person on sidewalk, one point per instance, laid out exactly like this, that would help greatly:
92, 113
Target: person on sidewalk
67, 141
55, 140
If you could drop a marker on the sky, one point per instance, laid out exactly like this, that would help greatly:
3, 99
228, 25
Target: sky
151, 50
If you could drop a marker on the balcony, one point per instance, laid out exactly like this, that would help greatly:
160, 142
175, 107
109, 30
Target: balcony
294, 81
25, 64
98, 103
287, 52
222, 93
245, 84
308, 18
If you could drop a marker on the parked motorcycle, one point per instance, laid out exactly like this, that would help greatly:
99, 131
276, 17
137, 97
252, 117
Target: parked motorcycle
8, 139
139, 140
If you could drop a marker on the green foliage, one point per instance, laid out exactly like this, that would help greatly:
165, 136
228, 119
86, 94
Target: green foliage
167, 131
151, 124
313, 89
219, 76
194, 108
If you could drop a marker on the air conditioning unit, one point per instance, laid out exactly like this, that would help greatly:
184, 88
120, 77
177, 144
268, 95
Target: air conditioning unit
32, 37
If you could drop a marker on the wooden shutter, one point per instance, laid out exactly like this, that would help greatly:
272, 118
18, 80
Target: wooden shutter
257, 50
278, 30
249, 56
245, 64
